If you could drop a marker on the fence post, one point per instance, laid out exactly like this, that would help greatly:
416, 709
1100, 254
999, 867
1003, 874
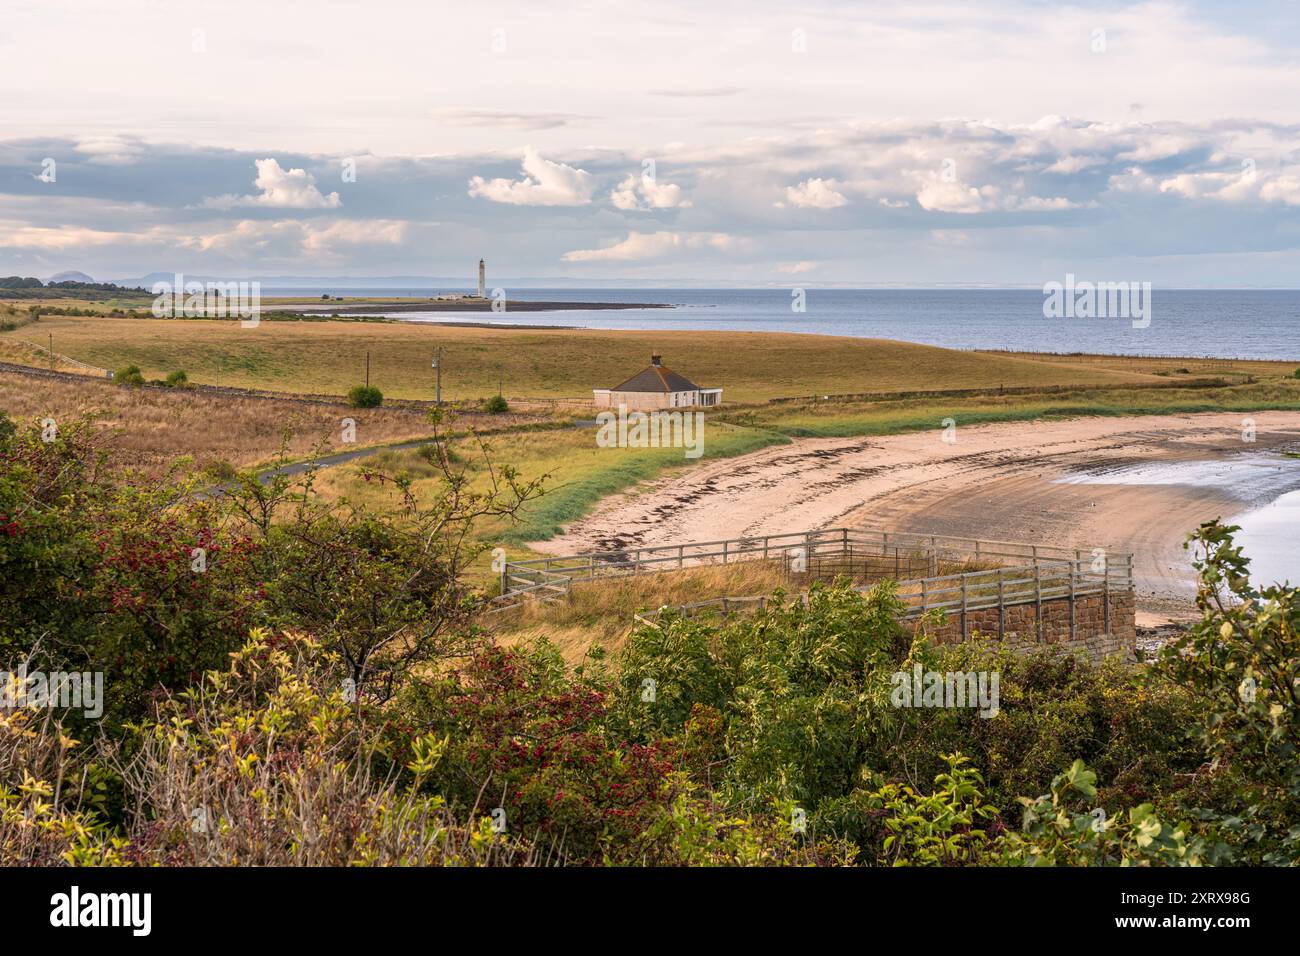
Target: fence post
1002, 604
963, 609
681, 548
1038, 598
1072, 627
726, 546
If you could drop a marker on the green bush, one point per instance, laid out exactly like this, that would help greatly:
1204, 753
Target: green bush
497, 405
177, 379
128, 375
365, 396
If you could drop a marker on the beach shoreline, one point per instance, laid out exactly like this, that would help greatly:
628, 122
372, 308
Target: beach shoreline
999, 481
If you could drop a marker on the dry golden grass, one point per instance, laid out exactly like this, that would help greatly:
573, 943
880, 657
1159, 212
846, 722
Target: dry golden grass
330, 357
149, 428
600, 613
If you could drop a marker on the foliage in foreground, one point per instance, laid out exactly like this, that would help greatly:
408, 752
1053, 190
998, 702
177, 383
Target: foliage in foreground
297, 684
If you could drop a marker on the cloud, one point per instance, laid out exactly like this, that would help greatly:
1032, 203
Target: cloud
280, 189
545, 183
1244, 184
652, 245
816, 194
796, 268
21, 235
645, 192
110, 150
940, 195
700, 93
292, 238
505, 119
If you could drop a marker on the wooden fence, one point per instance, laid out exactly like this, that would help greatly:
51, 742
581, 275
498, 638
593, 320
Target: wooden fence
959, 595
1013, 572
797, 549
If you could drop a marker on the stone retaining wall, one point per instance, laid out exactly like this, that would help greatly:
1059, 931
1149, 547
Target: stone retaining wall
1020, 626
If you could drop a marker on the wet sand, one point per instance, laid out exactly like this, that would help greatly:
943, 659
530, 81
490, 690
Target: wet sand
1000, 481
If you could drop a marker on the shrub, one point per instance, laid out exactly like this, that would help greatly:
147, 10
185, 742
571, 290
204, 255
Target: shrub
365, 396
497, 405
128, 375
1239, 663
177, 379
219, 469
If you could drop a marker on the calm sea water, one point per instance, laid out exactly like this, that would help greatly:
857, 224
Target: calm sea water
1227, 324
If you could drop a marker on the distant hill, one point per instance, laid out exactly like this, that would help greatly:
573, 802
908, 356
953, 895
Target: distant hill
72, 276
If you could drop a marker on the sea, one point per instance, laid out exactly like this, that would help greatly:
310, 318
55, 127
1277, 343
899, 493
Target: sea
1230, 324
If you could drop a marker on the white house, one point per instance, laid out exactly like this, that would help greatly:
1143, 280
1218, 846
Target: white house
657, 387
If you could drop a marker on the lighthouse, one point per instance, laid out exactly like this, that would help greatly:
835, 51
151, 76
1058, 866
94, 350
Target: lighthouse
482, 279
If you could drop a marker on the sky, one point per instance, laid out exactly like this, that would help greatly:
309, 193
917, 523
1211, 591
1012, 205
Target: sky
991, 143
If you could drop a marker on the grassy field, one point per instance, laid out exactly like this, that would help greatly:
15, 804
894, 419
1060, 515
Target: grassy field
330, 357
836, 419
149, 428
578, 472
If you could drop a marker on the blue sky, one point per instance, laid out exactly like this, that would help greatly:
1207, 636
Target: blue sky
991, 143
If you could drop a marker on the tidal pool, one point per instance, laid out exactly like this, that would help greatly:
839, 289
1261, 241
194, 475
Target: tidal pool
1270, 537
1267, 485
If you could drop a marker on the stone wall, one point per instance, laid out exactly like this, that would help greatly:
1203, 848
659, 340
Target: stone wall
1019, 625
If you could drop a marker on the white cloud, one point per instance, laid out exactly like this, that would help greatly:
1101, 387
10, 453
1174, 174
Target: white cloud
545, 183
816, 194
652, 245
280, 189
292, 238
639, 193
939, 195
110, 150
1232, 186
21, 235
1284, 189
796, 268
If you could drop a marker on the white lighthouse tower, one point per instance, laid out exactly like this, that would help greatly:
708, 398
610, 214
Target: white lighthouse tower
482, 279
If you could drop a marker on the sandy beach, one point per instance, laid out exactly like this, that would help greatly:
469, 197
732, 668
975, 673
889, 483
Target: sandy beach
1138, 484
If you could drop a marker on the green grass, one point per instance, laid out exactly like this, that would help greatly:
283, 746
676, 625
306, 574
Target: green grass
845, 419
612, 470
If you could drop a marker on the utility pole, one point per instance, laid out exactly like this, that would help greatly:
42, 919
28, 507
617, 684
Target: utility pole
51, 351
367, 369
437, 369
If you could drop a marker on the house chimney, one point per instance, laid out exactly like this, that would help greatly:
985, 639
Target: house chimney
656, 360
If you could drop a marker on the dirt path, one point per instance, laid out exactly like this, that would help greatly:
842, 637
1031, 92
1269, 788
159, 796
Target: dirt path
995, 481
